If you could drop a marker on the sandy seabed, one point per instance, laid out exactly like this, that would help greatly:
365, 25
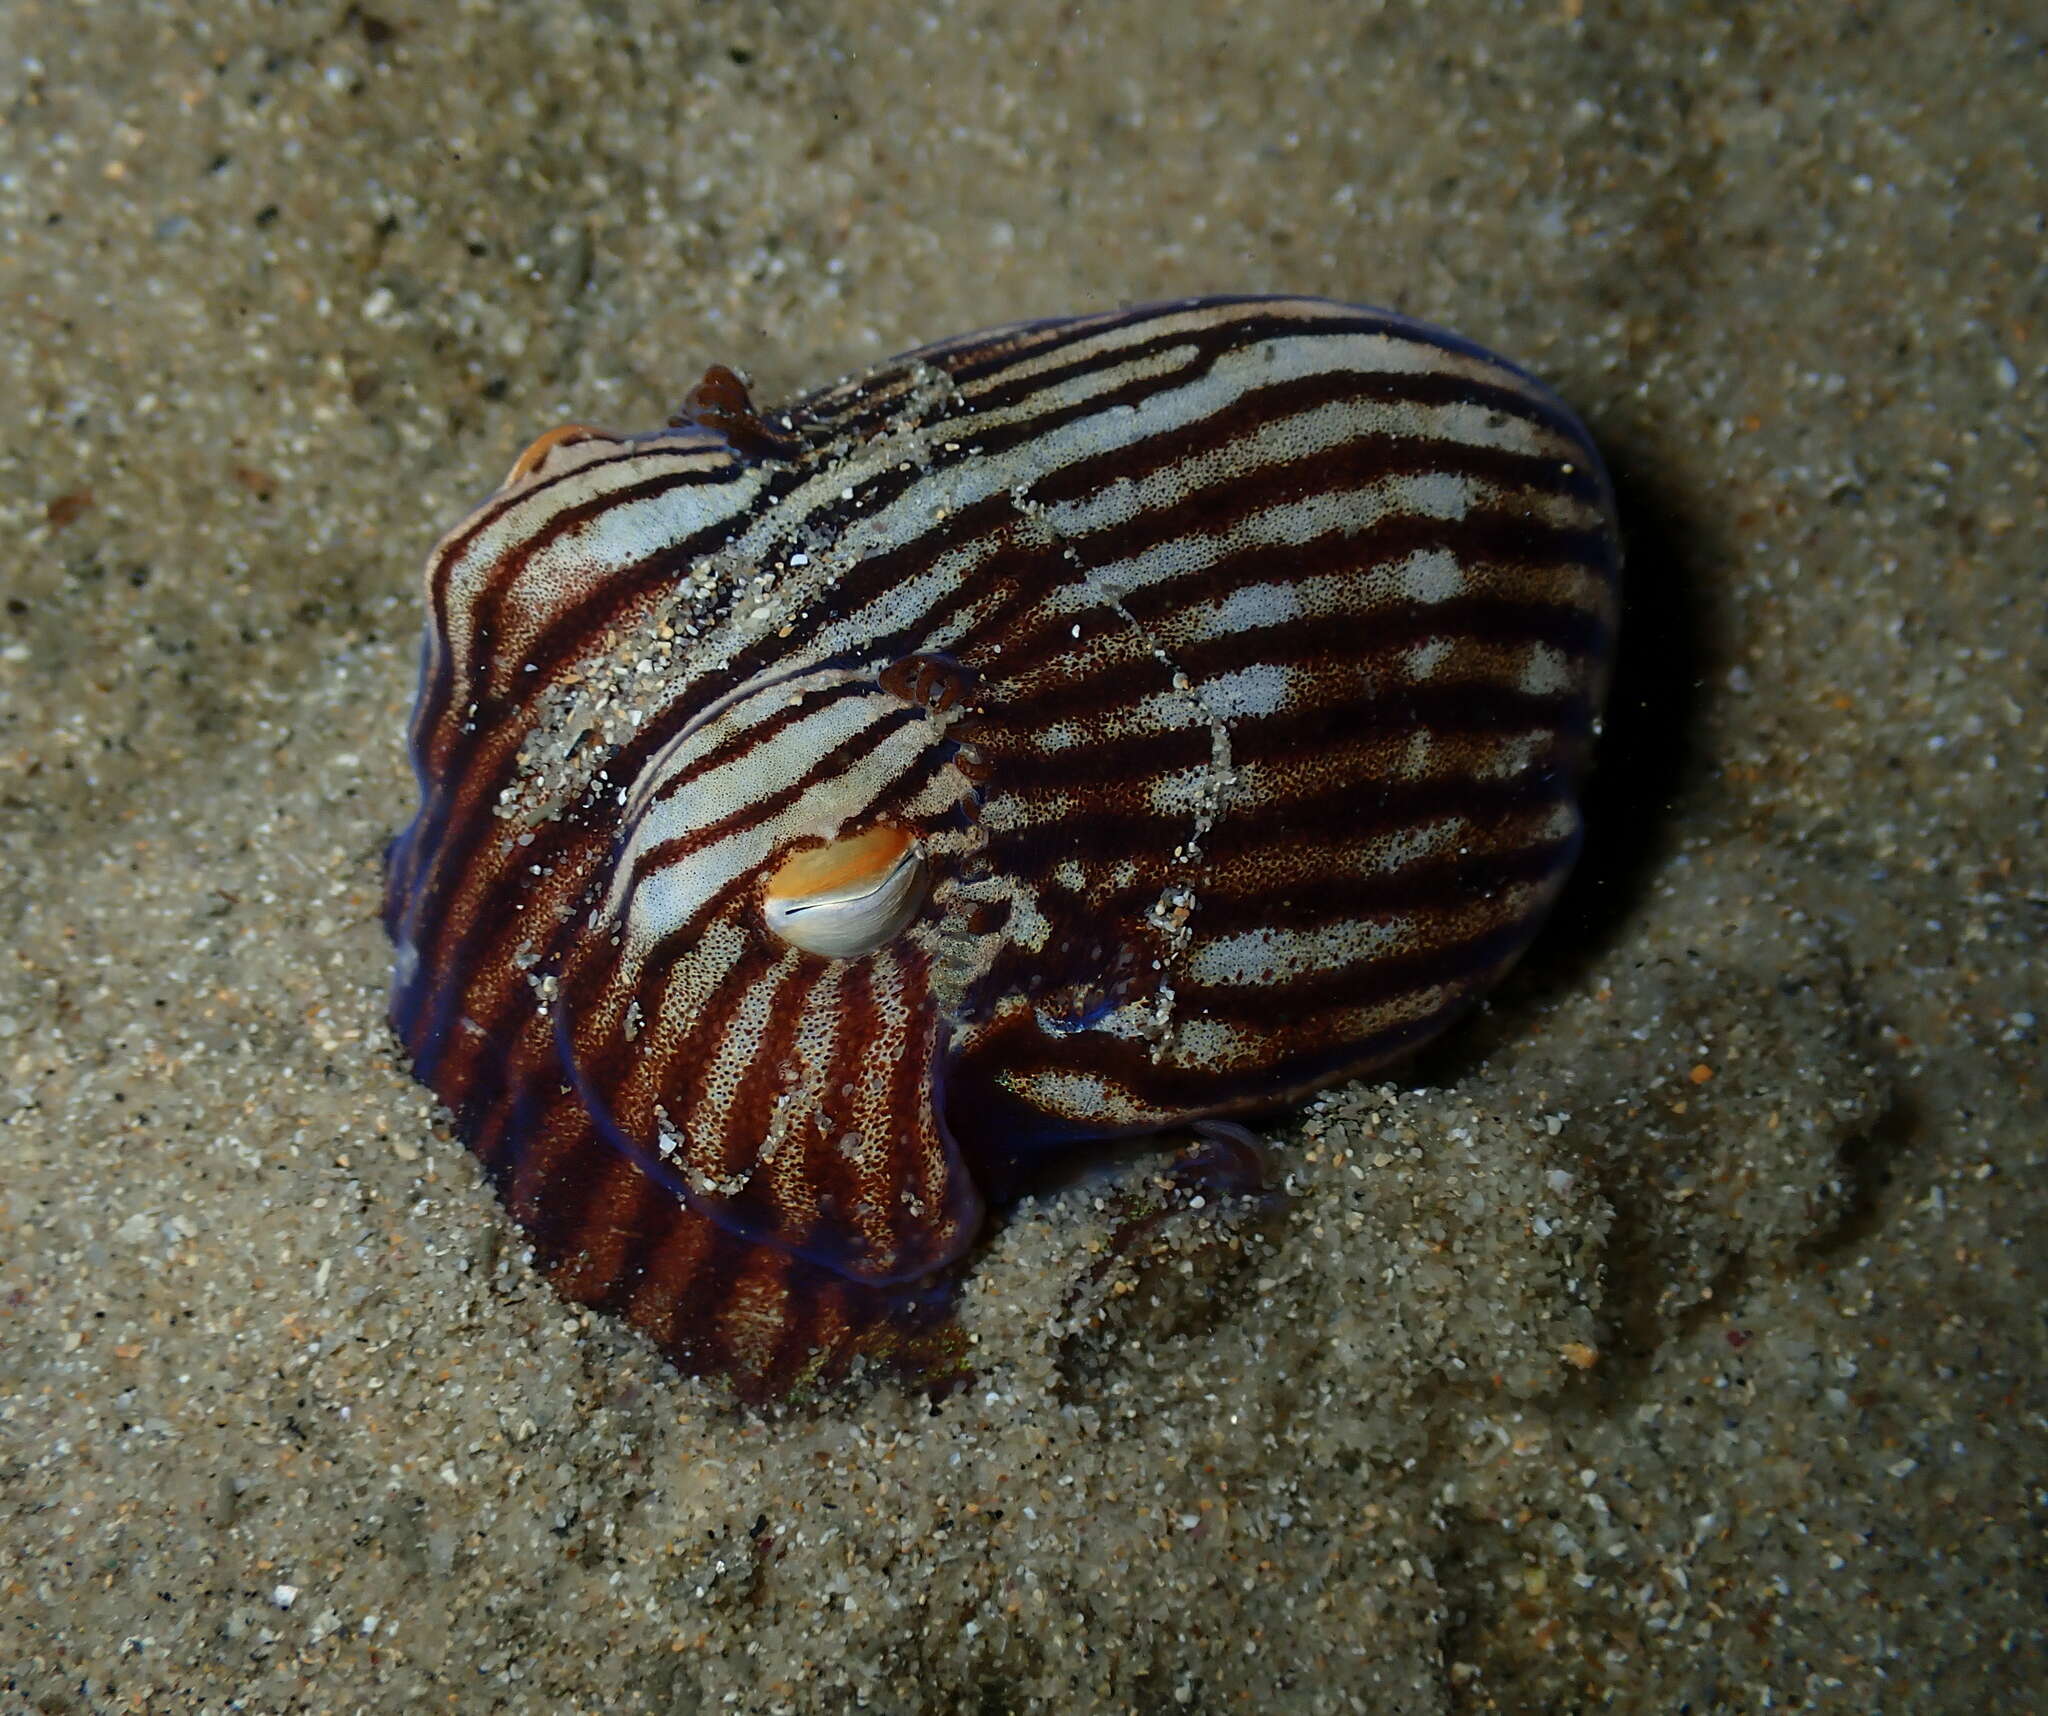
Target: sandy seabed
1668, 1340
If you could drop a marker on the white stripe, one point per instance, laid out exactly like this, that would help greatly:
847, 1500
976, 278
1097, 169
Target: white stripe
1288, 525
1335, 423
1261, 956
1545, 671
1425, 659
1259, 689
693, 981
1079, 1096
755, 703
1216, 1044
580, 562
1288, 357
967, 482
708, 1127
668, 896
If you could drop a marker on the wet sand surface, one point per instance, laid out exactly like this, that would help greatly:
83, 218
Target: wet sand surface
1668, 1339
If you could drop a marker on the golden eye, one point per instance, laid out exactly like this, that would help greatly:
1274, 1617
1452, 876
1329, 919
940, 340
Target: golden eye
848, 896
536, 455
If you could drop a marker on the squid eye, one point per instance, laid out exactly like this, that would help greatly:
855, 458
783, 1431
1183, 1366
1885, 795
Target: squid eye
848, 896
535, 456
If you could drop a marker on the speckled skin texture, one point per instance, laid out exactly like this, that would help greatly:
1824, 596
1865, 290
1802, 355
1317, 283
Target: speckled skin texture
1669, 1338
